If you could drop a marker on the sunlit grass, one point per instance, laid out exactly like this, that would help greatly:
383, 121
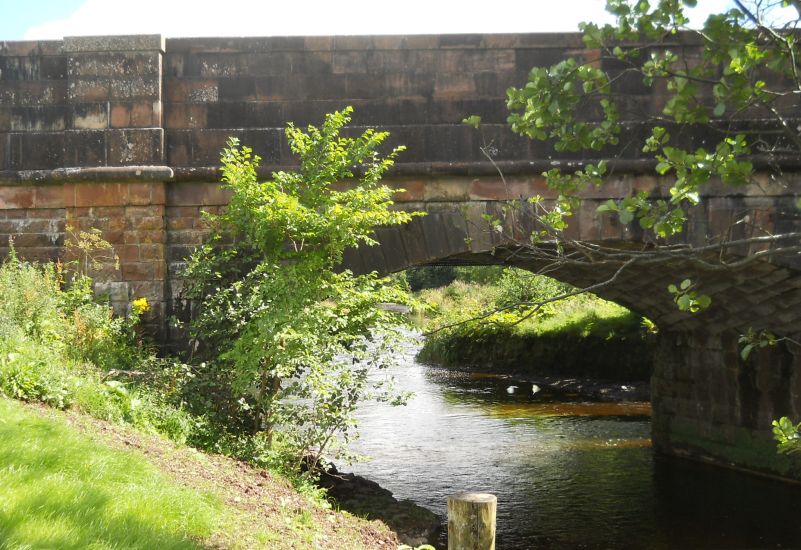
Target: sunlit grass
60, 490
582, 315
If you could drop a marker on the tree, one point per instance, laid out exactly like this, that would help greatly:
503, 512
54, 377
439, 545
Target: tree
743, 66
297, 335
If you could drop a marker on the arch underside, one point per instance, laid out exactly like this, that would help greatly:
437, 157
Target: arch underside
759, 294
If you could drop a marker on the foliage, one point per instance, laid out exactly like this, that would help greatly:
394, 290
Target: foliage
60, 347
433, 276
787, 435
741, 66
688, 299
294, 337
518, 286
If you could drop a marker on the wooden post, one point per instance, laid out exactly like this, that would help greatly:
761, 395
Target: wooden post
471, 521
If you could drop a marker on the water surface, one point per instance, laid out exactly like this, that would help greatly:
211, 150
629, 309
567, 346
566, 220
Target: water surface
568, 473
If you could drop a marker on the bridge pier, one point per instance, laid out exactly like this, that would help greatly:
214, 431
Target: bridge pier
711, 405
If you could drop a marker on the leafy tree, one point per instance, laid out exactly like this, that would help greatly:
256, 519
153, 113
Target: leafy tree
294, 335
742, 66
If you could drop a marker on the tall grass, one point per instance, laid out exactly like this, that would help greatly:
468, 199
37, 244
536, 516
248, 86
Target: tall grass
60, 347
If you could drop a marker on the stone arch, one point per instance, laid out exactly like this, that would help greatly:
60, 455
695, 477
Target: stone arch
759, 295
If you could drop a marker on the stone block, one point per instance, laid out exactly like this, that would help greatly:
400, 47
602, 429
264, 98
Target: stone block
407, 190
454, 85
151, 252
459, 41
146, 236
392, 247
116, 291
436, 242
414, 242
86, 90
85, 148
135, 114
200, 194
143, 271
39, 118
16, 197
349, 62
30, 47
41, 150
192, 90
245, 115
139, 87
147, 223
121, 43
183, 115
114, 65
373, 259
136, 147
90, 116
111, 195
49, 197
352, 260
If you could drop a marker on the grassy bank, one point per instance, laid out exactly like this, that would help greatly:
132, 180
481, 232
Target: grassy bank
579, 336
95, 431
71, 481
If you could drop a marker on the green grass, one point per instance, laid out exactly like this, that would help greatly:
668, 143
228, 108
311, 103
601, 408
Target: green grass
61, 490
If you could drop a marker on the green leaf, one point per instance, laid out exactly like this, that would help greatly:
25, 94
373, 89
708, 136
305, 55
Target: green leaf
686, 283
720, 108
473, 120
626, 217
683, 302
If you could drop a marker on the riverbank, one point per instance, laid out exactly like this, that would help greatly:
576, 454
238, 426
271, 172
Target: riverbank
581, 337
413, 524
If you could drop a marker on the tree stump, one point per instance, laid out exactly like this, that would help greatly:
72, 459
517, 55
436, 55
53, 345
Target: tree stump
471, 521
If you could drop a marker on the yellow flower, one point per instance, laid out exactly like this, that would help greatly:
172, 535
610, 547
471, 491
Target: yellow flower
140, 306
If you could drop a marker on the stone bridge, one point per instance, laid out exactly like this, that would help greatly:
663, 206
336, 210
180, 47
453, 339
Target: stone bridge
123, 134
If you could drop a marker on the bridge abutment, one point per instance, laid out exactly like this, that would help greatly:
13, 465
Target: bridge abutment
710, 404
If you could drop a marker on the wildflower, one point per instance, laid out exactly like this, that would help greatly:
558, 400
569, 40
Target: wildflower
140, 306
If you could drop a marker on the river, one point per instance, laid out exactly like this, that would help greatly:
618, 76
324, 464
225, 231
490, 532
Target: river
568, 473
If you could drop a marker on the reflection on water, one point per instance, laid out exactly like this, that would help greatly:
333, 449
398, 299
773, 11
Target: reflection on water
526, 410
567, 473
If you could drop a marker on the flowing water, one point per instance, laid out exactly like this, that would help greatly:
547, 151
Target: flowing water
568, 473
